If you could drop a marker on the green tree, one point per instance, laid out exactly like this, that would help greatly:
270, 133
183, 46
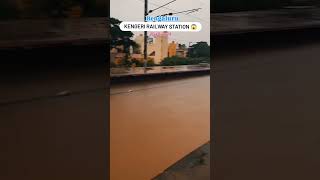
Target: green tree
200, 49
119, 37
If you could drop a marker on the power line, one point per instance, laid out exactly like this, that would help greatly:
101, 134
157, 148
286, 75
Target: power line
177, 11
154, 4
150, 11
189, 11
194, 11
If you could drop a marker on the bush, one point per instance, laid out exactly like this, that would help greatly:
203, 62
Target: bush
150, 62
175, 61
200, 49
138, 63
125, 63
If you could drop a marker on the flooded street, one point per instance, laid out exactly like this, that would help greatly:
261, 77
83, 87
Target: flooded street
155, 124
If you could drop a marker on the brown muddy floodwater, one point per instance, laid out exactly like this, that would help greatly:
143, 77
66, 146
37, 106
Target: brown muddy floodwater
155, 124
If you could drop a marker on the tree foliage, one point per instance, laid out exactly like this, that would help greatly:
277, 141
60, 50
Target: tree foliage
200, 49
119, 37
150, 62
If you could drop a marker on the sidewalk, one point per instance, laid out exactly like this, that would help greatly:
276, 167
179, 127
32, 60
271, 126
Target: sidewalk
195, 166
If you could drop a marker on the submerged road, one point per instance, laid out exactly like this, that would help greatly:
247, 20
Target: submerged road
155, 124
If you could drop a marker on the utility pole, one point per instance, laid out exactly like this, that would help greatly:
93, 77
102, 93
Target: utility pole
145, 37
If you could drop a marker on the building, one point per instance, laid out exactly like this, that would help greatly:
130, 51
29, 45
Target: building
172, 49
140, 41
157, 50
181, 51
161, 48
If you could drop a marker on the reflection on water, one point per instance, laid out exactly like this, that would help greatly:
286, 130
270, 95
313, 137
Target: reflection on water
152, 128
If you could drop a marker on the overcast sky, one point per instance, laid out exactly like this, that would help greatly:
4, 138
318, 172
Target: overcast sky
133, 10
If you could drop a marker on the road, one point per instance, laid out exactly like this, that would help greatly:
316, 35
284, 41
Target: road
155, 124
266, 118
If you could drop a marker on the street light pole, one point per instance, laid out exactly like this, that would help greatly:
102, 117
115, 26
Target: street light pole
145, 37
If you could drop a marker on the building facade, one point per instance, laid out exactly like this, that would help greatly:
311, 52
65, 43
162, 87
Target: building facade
157, 50
161, 48
172, 49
